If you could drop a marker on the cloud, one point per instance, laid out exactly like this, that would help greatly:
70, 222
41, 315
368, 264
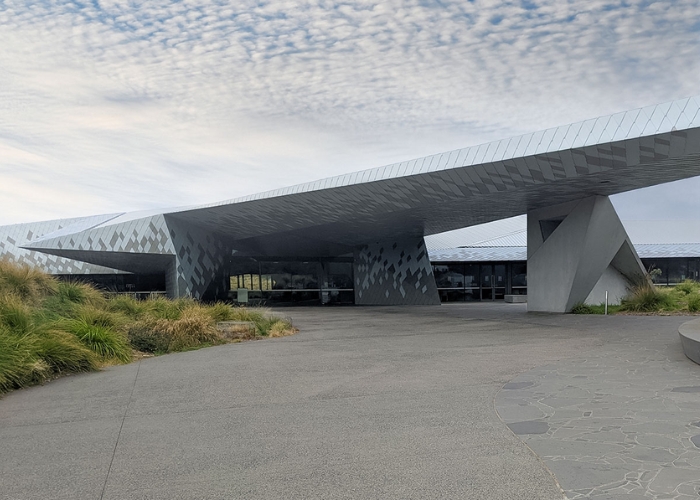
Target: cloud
136, 105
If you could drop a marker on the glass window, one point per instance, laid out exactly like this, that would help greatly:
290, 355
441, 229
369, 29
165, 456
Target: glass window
451, 295
304, 275
519, 274
658, 270
471, 275
694, 269
280, 276
677, 270
449, 275
339, 275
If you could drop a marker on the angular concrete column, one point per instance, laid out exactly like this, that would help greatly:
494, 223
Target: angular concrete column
575, 252
394, 273
200, 266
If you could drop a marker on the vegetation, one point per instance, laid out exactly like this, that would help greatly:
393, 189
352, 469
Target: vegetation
49, 328
647, 298
593, 309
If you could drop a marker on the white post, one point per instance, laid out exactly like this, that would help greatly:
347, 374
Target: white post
606, 302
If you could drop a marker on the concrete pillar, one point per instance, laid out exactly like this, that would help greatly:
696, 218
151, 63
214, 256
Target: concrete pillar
394, 273
575, 252
201, 263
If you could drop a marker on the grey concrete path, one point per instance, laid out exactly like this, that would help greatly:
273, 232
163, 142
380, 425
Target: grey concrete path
393, 403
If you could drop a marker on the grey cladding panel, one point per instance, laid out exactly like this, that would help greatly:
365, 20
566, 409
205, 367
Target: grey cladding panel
394, 272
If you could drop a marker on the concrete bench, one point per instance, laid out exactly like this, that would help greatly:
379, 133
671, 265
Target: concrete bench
690, 339
515, 299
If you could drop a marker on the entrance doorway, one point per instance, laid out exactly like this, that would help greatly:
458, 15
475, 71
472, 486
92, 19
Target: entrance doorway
493, 281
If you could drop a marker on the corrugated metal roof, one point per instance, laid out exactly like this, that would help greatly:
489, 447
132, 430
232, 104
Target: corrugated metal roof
478, 254
519, 253
646, 251
513, 228
513, 233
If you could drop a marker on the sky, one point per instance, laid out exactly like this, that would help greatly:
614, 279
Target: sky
113, 106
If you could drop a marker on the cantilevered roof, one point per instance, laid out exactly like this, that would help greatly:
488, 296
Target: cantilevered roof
446, 191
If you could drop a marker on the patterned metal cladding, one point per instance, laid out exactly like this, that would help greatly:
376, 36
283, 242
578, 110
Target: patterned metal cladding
13, 237
198, 256
201, 265
146, 235
393, 273
479, 184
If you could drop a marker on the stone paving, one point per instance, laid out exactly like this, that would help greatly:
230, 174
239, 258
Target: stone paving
619, 423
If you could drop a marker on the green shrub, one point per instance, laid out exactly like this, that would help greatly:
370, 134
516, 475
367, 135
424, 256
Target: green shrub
581, 308
694, 303
687, 287
145, 338
648, 298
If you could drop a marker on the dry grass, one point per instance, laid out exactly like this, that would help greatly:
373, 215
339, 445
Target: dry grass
49, 327
281, 329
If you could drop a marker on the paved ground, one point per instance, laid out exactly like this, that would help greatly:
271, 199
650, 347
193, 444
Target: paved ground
363, 403
619, 422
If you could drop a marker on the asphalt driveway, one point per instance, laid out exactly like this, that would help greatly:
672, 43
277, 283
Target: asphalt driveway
363, 403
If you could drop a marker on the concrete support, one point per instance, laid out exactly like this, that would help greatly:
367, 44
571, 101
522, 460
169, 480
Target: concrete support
394, 273
199, 269
575, 252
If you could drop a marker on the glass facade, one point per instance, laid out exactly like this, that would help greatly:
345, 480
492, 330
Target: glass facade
672, 271
292, 282
460, 281
331, 281
120, 283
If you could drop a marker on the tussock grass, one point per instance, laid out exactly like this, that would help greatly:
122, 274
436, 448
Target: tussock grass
25, 282
281, 329
648, 298
50, 328
687, 287
694, 303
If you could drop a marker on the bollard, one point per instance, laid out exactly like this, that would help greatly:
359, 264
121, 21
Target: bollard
606, 302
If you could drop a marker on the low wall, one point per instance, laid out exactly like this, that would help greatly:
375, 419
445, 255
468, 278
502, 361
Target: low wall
690, 338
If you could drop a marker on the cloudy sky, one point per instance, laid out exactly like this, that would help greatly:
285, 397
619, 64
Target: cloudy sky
110, 106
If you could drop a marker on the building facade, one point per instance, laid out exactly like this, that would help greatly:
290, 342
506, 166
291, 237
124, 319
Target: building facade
369, 228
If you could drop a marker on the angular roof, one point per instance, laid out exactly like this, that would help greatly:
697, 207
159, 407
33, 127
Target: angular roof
442, 192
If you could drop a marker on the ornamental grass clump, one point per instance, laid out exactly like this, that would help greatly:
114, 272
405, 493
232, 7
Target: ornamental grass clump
101, 332
648, 298
193, 328
20, 364
27, 283
694, 302
49, 328
687, 287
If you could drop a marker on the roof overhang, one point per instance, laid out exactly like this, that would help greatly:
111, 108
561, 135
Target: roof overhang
451, 190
